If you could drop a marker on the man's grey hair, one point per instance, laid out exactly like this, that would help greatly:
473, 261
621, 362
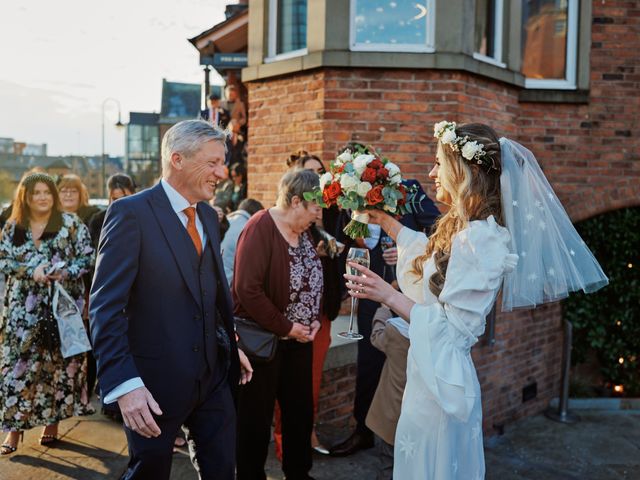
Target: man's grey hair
295, 183
187, 137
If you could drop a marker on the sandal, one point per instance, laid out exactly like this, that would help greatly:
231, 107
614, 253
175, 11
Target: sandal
7, 449
48, 438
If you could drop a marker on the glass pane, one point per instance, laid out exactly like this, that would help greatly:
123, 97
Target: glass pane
292, 25
391, 22
485, 27
544, 38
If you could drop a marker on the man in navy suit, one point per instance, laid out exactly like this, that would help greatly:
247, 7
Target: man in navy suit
370, 360
161, 315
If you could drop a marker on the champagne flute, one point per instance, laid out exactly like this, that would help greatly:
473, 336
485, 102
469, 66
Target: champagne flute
386, 242
361, 257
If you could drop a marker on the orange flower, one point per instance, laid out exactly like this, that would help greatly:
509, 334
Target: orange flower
331, 193
374, 196
369, 175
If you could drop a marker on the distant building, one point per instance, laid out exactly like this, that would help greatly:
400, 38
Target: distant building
180, 101
142, 152
9, 145
16, 158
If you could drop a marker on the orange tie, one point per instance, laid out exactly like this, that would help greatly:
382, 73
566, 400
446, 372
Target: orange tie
190, 212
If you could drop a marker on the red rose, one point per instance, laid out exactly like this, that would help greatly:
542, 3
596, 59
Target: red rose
402, 190
383, 173
374, 196
339, 169
369, 175
331, 193
375, 164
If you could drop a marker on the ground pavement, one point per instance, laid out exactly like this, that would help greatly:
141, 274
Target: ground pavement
603, 446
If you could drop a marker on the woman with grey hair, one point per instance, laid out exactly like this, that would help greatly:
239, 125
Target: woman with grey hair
277, 283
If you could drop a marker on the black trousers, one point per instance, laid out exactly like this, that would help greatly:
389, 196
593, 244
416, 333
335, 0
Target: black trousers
209, 421
288, 378
370, 361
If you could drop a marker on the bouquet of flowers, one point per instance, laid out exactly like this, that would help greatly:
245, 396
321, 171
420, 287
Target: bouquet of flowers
359, 181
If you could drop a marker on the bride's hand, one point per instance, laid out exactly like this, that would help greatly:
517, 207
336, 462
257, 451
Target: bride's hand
388, 223
375, 216
369, 286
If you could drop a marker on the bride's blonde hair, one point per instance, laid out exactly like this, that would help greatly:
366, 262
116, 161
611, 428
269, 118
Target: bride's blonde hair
475, 194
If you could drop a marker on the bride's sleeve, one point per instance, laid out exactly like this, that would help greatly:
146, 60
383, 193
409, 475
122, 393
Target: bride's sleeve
442, 333
411, 244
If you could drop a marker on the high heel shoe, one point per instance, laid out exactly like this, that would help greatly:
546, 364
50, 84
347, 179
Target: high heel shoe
47, 438
7, 449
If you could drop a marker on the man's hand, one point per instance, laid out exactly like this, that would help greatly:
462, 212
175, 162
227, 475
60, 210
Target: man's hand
136, 414
390, 256
246, 370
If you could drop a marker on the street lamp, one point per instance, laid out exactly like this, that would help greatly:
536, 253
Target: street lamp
118, 124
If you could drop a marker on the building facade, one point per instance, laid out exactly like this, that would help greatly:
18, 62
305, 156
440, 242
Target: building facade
559, 76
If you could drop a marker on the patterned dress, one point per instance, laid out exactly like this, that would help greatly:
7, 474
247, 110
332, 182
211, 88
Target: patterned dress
38, 386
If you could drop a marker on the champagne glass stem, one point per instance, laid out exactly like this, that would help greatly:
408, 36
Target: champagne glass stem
354, 303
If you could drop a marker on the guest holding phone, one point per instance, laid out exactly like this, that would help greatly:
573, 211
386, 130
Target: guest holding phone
39, 244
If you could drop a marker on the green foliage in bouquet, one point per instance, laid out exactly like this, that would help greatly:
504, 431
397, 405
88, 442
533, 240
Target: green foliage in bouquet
608, 322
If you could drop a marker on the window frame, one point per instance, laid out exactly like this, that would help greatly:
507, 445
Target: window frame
272, 40
430, 37
571, 56
498, 34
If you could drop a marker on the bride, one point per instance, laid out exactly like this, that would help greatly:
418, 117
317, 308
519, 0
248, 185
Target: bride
505, 228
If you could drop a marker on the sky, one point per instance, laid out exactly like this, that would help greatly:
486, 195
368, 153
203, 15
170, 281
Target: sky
59, 61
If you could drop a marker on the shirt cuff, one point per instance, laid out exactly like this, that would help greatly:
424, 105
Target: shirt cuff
123, 389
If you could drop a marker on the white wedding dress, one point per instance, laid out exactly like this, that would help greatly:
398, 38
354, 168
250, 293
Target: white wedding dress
439, 434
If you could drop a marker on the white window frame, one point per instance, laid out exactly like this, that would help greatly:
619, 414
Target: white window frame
430, 37
497, 38
272, 42
571, 61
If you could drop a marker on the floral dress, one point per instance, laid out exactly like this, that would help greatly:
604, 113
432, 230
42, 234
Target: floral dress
38, 386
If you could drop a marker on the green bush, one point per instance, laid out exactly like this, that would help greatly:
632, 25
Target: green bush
608, 322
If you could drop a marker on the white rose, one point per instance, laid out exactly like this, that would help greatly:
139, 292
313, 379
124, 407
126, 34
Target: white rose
437, 128
348, 183
324, 179
363, 188
449, 136
361, 162
394, 180
344, 157
393, 169
470, 149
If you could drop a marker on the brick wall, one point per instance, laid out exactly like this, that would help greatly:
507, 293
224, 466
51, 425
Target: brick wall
589, 152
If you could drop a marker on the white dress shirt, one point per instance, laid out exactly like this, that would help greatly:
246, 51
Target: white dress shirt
178, 204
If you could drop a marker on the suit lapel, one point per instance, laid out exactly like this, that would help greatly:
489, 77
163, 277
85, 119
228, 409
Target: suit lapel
174, 234
212, 230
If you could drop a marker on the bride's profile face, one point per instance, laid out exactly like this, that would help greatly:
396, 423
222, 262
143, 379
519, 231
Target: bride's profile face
439, 174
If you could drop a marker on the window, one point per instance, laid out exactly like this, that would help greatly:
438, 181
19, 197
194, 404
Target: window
549, 43
392, 25
488, 31
287, 29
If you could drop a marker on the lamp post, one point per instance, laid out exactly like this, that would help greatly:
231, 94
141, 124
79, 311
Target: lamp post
118, 124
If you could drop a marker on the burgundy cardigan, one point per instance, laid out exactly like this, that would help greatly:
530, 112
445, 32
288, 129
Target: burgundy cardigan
260, 287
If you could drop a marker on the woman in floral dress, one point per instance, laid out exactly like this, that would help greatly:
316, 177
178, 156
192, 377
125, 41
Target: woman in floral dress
37, 385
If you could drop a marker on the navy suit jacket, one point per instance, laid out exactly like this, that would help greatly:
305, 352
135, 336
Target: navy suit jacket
422, 217
145, 298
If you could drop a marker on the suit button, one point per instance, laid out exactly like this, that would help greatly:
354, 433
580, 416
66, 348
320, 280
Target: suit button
195, 348
196, 317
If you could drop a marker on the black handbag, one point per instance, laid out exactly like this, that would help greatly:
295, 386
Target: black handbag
258, 344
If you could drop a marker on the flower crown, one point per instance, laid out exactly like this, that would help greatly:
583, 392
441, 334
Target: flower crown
470, 150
